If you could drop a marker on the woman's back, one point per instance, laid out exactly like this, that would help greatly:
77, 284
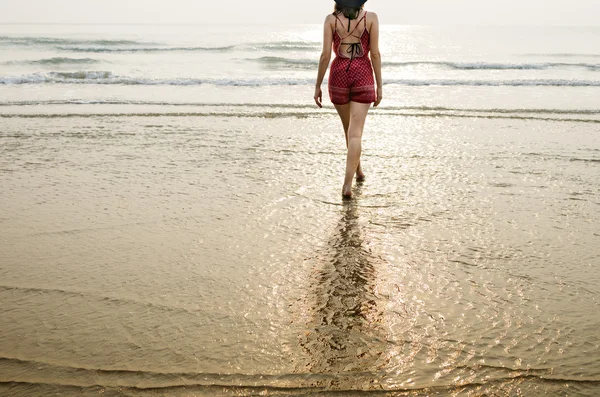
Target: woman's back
351, 37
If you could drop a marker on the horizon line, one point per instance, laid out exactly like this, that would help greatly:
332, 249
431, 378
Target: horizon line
298, 24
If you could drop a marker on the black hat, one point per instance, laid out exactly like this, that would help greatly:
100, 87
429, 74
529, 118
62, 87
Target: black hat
351, 3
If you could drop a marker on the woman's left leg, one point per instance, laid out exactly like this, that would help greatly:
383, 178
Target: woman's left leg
344, 113
358, 116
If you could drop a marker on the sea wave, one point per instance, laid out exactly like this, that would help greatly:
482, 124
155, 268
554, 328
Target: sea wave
295, 63
90, 77
303, 63
55, 61
65, 379
99, 49
275, 111
107, 77
84, 45
36, 41
298, 115
498, 83
261, 47
152, 103
563, 55
496, 66
280, 46
299, 106
280, 62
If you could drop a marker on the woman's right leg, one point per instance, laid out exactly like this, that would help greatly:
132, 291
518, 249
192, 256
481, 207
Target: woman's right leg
344, 112
358, 116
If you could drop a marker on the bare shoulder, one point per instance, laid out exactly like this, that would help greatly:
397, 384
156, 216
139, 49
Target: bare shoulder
372, 20
372, 17
329, 19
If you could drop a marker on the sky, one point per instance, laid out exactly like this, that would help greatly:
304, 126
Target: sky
415, 12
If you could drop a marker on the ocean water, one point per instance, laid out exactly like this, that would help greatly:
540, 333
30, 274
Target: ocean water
171, 221
456, 68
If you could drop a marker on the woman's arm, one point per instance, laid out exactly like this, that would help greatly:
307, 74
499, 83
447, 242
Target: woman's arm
324, 60
376, 56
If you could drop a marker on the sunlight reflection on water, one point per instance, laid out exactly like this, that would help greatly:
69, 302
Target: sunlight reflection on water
184, 252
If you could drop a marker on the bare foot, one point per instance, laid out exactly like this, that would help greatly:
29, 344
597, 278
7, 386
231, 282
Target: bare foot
347, 191
360, 175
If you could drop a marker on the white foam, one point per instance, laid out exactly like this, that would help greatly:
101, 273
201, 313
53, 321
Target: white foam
106, 77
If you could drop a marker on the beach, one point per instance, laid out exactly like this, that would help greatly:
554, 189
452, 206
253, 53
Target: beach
172, 223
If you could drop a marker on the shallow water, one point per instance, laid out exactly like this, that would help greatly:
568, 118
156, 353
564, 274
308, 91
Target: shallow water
171, 221
212, 255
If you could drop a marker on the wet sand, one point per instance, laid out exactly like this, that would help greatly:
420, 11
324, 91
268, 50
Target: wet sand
213, 255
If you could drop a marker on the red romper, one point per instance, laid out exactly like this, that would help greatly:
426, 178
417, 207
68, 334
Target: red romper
351, 74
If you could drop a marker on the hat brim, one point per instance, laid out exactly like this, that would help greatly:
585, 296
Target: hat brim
351, 3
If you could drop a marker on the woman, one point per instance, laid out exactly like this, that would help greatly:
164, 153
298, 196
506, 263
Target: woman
352, 32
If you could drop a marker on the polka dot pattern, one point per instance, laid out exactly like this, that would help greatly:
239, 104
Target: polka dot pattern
351, 79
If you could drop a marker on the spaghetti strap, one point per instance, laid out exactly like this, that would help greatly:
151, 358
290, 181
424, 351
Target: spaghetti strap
351, 33
364, 17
